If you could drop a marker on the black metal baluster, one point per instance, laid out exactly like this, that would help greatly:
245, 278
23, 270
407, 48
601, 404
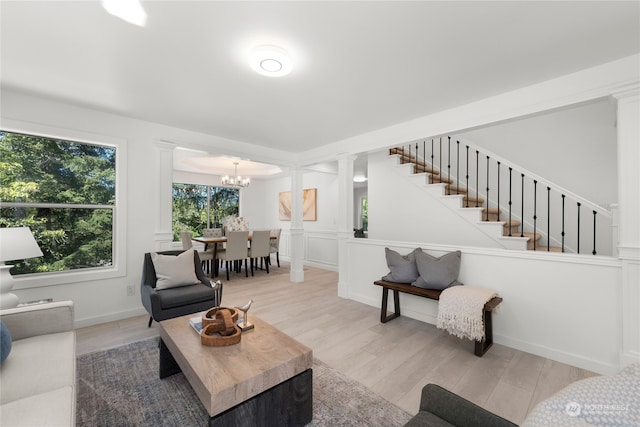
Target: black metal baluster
477, 175
487, 188
579, 204
440, 155
458, 167
424, 155
510, 202
498, 217
563, 223
467, 176
522, 207
548, 219
594, 232
535, 211
449, 165
416, 164
432, 164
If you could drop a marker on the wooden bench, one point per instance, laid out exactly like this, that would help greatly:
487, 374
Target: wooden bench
481, 346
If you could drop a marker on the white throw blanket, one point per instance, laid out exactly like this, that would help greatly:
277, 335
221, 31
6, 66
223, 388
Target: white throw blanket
460, 311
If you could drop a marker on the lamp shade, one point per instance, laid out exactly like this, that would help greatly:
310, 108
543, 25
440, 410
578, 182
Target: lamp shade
18, 243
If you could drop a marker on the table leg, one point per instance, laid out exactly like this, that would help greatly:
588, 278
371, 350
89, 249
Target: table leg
290, 403
168, 365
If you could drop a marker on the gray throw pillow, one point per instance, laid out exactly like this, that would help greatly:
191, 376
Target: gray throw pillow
437, 273
402, 268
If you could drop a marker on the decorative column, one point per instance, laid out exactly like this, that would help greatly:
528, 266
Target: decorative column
628, 127
345, 219
296, 245
164, 195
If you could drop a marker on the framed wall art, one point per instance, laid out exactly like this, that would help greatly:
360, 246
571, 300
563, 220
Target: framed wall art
309, 205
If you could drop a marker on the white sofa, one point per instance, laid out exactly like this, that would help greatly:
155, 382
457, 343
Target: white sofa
38, 378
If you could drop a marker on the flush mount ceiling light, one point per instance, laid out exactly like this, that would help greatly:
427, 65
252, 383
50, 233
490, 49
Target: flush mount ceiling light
359, 178
270, 61
130, 11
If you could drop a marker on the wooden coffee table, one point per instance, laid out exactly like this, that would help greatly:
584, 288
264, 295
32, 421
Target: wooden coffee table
267, 377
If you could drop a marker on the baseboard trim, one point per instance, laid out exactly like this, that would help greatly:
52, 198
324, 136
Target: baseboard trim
111, 317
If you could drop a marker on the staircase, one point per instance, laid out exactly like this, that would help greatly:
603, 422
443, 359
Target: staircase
501, 225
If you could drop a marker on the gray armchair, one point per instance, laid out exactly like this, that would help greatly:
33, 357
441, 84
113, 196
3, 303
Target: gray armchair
173, 302
440, 407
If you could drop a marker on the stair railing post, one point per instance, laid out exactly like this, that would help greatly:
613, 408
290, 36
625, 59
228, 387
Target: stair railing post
416, 163
535, 211
594, 232
522, 207
440, 155
467, 177
579, 204
548, 219
488, 204
477, 176
498, 217
424, 155
432, 164
563, 197
510, 201
458, 167
449, 165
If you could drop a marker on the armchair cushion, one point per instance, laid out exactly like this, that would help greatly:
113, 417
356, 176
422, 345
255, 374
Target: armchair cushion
184, 295
174, 271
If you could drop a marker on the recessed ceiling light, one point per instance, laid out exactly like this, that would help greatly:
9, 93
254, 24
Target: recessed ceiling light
359, 178
270, 61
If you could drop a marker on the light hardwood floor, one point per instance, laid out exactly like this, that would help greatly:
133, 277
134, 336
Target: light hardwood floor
395, 360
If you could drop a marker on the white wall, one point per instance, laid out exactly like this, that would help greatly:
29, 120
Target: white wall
259, 205
574, 147
401, 208
99, 301
559, 307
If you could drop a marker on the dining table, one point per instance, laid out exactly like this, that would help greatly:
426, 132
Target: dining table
215, 241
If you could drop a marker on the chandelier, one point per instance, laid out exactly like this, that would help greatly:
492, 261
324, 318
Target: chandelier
235, 181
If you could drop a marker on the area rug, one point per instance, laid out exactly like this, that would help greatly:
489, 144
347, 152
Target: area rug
121, 387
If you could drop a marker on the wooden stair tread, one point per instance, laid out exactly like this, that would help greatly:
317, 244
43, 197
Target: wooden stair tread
437, 179
420, 168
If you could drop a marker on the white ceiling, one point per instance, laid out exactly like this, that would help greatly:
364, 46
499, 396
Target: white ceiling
359, 66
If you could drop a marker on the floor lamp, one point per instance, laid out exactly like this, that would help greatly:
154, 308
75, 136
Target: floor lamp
15, 243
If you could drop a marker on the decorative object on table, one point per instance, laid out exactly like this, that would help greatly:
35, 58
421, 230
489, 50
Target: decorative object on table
244, 324
216, 285
211, 316
309, 205
222, 330
16, 243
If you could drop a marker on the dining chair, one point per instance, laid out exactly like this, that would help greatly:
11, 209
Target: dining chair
212, 232
205, 256
274, 245
236, 250
260, 248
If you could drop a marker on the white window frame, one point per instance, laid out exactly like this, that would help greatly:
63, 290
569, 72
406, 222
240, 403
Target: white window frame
119, 262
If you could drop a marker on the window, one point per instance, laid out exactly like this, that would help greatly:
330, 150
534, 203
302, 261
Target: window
196, 207
65, 192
